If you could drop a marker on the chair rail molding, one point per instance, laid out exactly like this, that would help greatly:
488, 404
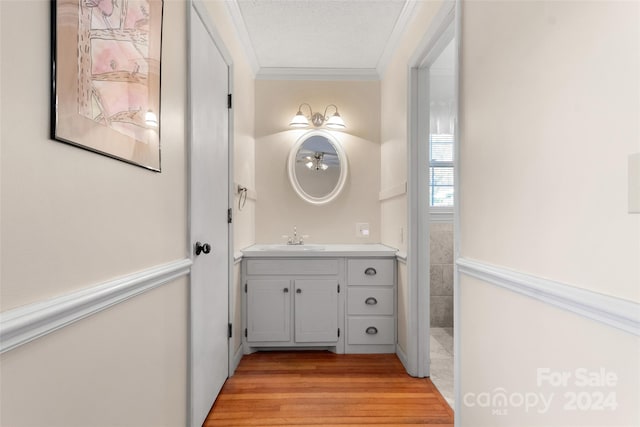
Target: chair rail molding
27, 323
612, 311
394, 191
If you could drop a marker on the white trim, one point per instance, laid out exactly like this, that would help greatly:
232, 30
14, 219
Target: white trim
237, 257
273, 73
203, 14
441, 215
243, 35
396, 36
24, 324
457, 391
611, 311
395, 191
429, 47
401, 257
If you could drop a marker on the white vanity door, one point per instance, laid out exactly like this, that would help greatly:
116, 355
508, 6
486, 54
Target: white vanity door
316, 311
269, 310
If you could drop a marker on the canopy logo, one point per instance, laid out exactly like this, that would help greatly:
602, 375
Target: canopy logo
577, 390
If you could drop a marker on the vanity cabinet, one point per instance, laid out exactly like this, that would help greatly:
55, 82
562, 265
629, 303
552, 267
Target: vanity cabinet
270, 316
371, 302
332, 300
293, 303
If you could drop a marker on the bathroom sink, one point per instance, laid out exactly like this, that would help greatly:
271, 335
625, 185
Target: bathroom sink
293, 248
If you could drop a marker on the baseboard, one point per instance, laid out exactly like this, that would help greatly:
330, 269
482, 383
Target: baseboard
403, 357
612, 311
24, 324
237, 357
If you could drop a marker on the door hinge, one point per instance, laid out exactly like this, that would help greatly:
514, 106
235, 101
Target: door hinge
229, 216
338, 287
245, 333
229, 101
338, 332
245, 288
230, 330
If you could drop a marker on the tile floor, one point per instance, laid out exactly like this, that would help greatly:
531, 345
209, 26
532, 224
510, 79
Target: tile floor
442, 361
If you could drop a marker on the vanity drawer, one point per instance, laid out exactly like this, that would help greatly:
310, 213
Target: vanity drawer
300, 267
371, 330
370, 301
376, 271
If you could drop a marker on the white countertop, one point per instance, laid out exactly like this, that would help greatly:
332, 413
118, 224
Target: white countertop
318, 251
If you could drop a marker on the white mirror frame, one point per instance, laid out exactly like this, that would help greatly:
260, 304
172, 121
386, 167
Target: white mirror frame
342, 157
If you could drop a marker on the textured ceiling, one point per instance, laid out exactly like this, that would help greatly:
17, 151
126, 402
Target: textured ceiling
320, 34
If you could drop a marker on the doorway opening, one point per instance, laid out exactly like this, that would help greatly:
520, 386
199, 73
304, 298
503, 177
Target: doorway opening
432, 171
441, 201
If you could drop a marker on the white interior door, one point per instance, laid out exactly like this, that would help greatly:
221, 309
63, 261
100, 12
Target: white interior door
209, 115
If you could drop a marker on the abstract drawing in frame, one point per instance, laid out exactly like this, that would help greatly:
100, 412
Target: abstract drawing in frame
106, 77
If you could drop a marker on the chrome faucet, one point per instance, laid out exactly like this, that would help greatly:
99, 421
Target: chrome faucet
295, 239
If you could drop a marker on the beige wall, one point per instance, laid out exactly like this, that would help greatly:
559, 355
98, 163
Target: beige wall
509, 339
549, 115
394, 105
125, 366
564, 91
279, 208
71, 219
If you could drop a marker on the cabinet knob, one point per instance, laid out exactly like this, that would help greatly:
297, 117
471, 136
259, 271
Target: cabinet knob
371, 330
298, 291
370, 271
371, 301
285, 290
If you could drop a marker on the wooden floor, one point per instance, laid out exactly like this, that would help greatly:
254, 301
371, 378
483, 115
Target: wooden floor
324, 389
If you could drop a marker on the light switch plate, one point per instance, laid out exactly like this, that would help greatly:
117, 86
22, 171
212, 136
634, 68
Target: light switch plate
362, 229
634, 183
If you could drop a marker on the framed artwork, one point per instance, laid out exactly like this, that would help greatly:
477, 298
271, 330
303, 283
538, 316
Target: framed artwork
106, 77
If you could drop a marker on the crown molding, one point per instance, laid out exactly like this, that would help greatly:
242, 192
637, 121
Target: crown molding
267, 73
396, 36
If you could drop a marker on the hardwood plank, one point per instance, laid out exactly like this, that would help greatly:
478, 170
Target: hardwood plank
319, 388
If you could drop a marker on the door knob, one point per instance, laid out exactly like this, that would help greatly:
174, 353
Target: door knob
202, 247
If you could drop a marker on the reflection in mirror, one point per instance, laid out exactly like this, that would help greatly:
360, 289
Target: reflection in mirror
317, 167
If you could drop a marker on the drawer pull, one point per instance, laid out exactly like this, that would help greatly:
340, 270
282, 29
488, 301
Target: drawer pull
285, 290
371, 330
371, 301
298, 291
370, 271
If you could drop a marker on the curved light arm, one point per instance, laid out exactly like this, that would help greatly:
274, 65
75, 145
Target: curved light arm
327, 109
317, 119
309, 107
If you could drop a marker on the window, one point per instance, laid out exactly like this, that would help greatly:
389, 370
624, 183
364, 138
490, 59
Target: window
441, 170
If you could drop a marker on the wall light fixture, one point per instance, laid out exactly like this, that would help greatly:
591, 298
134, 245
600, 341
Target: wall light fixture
150, 119
301, 120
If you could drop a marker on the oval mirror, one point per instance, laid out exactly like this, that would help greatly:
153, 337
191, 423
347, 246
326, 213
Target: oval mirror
317, 167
